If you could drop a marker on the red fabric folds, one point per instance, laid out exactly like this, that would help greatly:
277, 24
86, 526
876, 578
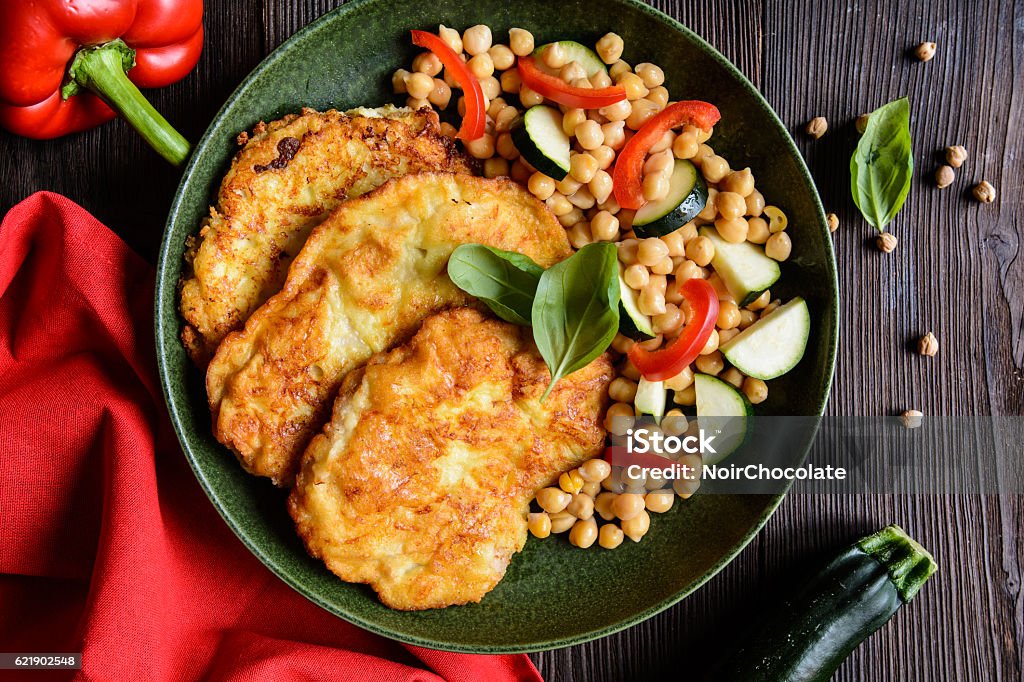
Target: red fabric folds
107, 544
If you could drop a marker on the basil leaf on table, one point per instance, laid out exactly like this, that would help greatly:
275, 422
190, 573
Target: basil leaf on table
883, 163
506, 281
576, 310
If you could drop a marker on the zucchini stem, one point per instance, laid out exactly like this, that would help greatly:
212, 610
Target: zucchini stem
908, 563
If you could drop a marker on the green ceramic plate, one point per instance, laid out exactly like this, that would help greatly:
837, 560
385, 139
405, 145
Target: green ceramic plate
345, 59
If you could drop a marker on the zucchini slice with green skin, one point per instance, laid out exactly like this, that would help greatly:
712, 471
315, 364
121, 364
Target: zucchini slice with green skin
721, 408
632, 322
687, 196
774, 344
744, 268
650, 398
805, 638
574, 52
539, 137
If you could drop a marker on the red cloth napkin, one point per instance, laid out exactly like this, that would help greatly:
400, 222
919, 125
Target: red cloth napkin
107, 544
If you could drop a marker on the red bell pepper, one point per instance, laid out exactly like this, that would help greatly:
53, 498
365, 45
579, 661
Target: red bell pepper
669, 361
627, 177
50, 50
474, 122
557, 90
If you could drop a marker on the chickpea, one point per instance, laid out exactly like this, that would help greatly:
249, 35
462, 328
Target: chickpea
554, 56
502, 57
688, 270
601, 187
731, 205
777, 220
664, 144
710, 210
477, 39
582, 199
770, 308
637, 527
591, 488
505, 147
481, 65
669, 321
617, 112
581, 506
618, 68
703, 152
419, 85
622, 343
628, 506
651, 301
398, 81
711, 345
414, 103
614, 133
604, 155
658, 502
491, 87
511, 82
685, 145
732, 376
579, 233
589, 135
674, 423
728, 315
603, 502
529, 98
779, 246
618, 419
643, 111
680, 381
660, 162
520, 172
482, 147
755, 203
687, 396
441, 95
521, 41
541, 186
700, 250
568, 185
714, 168
724, 335
636, 276
659, 96
628, 250
539, 524
572, 71
596, 470
633, 85
747, 318
755, 390
583, 533
451, 37
605, 228
665, 267
496, 167
582, 83
562, 521
711, 363
655, 186
732, 230
741, 182
448, 130
651, 251
552, 500
610, 536
757, 231
601, 80
610, 47
583, 167
571, 119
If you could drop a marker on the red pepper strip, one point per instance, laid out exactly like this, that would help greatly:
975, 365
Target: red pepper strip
557, 90
474, 121
627, 176
669, 361
42, 41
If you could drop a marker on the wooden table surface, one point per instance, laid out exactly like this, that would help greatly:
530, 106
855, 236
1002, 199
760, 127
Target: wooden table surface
958, 270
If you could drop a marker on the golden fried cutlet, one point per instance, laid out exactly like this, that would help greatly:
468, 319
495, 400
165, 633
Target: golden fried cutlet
365, 280
286, 179
421, 483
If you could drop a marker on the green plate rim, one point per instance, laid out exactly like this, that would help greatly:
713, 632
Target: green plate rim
166, 257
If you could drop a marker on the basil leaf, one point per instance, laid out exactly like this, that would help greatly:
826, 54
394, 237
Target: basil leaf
506, 281
576, 310
883, 164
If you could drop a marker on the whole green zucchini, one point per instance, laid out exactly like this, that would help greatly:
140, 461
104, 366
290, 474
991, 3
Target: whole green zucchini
807, 637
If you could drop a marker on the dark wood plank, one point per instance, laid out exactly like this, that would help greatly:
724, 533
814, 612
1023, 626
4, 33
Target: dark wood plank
958, 271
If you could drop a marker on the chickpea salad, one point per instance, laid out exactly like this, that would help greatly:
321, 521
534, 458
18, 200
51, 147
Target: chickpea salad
695, 246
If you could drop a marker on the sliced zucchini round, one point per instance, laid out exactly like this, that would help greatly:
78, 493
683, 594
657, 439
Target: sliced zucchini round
574, 52
539, 137
773, 345
744, 268
722, 412
632, 322
650, 398
687, 196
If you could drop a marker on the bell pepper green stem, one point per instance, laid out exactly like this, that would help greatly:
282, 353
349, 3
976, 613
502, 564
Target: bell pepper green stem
102, 70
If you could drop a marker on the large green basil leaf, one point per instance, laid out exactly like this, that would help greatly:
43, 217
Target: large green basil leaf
576, 309
882, 166
504, 280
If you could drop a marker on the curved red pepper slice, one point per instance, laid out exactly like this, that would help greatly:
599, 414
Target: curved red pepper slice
627, 176
557, 90
669, 361
475, 120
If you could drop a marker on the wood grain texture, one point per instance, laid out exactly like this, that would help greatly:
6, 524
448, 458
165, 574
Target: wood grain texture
958, 270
